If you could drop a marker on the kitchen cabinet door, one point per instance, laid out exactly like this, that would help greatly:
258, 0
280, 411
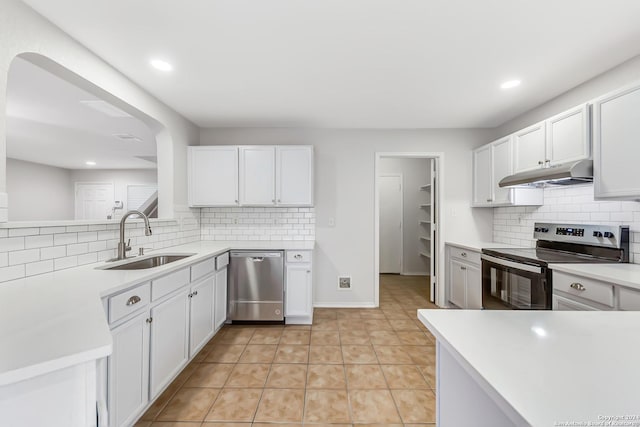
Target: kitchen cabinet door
128, 371
482, 176
220, 298
201, 314
529, 146
294, 175
568, 136
169, 340
257, 176
298, 297
616, 147
213, 176
502, 161
457, 283
473, 288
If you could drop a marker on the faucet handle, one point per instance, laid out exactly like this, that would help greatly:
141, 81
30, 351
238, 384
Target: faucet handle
127, 247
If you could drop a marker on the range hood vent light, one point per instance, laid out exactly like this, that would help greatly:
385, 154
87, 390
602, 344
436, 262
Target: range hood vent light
580, 172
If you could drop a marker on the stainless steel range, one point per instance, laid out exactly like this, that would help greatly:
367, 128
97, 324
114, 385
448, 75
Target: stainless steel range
520, 278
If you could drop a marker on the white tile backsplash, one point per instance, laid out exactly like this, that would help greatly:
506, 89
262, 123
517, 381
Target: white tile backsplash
575, 204
258, 223
35, 250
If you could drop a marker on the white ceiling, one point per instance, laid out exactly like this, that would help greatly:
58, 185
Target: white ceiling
48, 124
354, 63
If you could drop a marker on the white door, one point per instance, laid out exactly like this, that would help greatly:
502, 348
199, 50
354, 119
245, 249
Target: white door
482, 191
529, 147
433, 243
298, 290
169, 341
213, 176
257, 176
390, 223
93, 200
128, 371
568, 135
294, 175
220, 298
201, 324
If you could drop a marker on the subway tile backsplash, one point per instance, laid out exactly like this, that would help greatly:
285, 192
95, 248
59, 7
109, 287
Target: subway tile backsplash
258, 223
575, 204
30, 251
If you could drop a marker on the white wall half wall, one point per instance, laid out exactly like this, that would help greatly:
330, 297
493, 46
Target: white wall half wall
344, 195
415, 173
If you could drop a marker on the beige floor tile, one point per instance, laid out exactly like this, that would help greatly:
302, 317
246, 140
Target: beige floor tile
172, 424
235, 405
404, 377
161, 402
326, 377
281, 405
266, 336
373, 406
325, 338
237, 336
224, 353
380, 425
349, 313
189, 404
326, 406
210, 375
273, 425
413, 338
295, 337
325, 313
404, 325
384, 337
292, 354
395, 314
372, 314
248, 375
325, 325
429, 373
325, 354
351, 324
365, 377
202, 354
358, 354
142, 424
415, 406
287, 376
260, 353
354, 337
421, 355
377, 325
392, 355
217, 424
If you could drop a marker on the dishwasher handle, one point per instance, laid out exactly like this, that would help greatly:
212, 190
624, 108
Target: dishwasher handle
256, 255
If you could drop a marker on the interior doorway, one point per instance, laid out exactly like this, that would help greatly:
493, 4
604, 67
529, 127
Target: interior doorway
407, 214
93, 200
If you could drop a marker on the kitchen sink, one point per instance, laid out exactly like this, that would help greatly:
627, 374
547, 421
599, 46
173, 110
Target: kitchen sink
148, 262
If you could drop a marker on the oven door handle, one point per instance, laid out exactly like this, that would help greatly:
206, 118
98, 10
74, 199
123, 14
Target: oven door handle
511, 264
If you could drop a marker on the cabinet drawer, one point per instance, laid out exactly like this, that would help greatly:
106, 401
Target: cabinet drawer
584, 288
222, 260
298, 256
129, 301
201, 269
629, 300
169, 283
472, 257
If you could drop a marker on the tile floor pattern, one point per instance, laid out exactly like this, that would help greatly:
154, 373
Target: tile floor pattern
352, 366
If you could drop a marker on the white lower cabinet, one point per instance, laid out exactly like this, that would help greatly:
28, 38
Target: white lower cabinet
298, 306
169, 341
572, 292
565, 304
128, 371
464, 277
220, 298
201, 311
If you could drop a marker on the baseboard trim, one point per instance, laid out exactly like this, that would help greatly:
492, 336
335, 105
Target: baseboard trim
344, 305
412, 273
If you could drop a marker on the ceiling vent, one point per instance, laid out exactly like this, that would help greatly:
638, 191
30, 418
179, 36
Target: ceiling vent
127, 137
105, 108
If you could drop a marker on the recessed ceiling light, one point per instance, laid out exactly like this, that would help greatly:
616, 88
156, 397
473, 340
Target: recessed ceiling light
161, 65
510, 84
90, 163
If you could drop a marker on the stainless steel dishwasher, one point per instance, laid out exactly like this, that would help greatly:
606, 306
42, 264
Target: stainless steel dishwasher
256, 286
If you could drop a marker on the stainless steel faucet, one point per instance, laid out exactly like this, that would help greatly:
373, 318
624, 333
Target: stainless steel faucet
124, 247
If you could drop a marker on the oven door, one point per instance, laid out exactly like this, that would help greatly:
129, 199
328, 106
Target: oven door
509, 285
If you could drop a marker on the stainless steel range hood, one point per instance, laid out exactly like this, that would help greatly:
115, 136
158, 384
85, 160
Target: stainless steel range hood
580, 172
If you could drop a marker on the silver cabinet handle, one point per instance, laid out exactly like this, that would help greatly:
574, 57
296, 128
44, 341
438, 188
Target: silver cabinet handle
195, 293
134, 300
236, 201
463, 268
578, 286
547, 161
489, 200
540, 162
308, 271
257, 259
150, 319
464, 254
298, 256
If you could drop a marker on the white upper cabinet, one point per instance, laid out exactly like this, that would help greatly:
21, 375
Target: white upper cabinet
294, 175
502, 162
213, 176
482, 192
529, 147
257, 176
568, 136
616, 145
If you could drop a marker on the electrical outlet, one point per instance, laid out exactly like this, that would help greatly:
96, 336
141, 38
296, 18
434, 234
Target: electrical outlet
344, 282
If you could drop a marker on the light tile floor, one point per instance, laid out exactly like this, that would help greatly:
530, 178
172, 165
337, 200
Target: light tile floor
352, 366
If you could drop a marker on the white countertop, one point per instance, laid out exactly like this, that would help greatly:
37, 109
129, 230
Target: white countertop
55, 320
627, 275
585, 366
477, 246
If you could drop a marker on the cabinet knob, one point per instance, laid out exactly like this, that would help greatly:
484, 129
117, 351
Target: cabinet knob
463, 268
540, 162
236, 202
297, 256
150, 319
308, 271
547, 161
489, 200
464, 254
578, 286
133, 300
195, 293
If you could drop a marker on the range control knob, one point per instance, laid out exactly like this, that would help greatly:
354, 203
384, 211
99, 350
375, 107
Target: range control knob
597, 234
608, 234
544, 230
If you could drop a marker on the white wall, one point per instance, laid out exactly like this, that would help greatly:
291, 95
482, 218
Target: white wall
415, 173
39, 192
344, 191
22, 30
